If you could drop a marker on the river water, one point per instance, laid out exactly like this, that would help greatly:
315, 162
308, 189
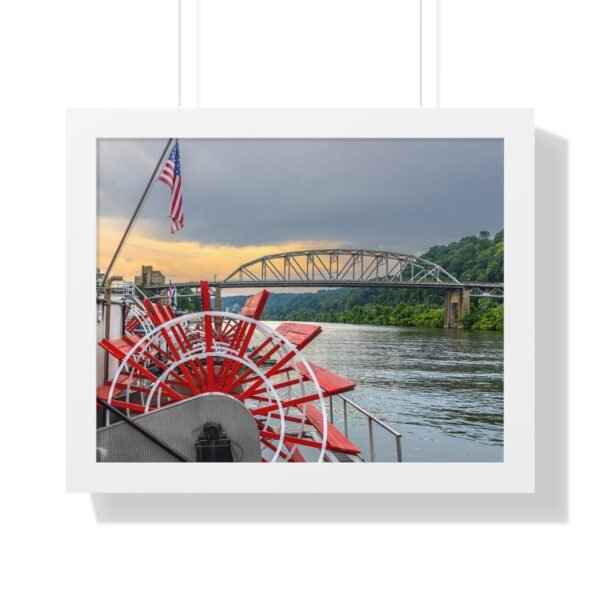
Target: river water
441, 389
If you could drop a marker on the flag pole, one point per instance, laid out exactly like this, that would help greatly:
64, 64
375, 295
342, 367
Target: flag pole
135, 214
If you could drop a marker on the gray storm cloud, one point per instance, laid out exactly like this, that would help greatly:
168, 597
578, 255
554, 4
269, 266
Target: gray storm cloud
401, 194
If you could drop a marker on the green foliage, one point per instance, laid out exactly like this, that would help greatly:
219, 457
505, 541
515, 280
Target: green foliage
487, 316
419, 315
344, 300
471, 259
188, 304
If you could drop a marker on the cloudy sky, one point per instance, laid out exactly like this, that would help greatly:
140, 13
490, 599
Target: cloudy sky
246, 198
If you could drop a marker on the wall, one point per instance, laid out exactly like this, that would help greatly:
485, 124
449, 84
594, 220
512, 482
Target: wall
116, 329
124, 53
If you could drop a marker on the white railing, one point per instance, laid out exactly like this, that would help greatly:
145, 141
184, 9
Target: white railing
372, 419
120, 288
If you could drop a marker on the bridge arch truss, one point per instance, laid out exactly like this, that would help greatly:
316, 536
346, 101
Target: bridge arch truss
342, 267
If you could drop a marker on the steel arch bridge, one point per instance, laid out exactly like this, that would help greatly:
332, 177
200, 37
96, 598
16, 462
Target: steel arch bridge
308, 267
345, 268
350, 268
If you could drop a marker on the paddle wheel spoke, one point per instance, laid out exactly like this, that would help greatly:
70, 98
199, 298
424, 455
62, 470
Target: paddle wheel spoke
278, 386
274, 370
286, 418
272, 447
297, 441
240, 343
264, 410
208, 354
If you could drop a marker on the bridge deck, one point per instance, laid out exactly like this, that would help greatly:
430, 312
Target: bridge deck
331, 284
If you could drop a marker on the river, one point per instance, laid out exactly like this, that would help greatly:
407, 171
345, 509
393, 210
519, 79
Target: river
441, 389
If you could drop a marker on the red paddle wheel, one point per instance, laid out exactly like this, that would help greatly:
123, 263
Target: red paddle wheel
213, 353
136, 318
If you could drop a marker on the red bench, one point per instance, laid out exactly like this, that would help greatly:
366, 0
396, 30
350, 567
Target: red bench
330, 383
254, 305
120, 386
336, 440
120, 347
299, 334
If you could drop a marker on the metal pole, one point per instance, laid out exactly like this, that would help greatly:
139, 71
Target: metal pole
421, 53
108, 303
399, 448
345, 417
371, 441
137, 289
331, 409
136, 213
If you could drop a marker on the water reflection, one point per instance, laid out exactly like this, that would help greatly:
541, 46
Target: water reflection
429, 384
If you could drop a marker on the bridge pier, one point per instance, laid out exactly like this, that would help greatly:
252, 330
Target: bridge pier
217, 298
456, 305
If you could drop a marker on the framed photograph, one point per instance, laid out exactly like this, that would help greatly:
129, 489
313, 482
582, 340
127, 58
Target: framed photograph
351, 291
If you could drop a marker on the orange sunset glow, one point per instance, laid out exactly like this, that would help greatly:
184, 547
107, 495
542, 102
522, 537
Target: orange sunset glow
181, 260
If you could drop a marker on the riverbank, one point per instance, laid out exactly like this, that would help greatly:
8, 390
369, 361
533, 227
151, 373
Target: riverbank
473, 258
486, 317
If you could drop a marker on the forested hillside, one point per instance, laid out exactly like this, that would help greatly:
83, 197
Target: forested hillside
473, 258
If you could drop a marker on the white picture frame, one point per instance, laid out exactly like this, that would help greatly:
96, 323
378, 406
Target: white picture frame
514, 475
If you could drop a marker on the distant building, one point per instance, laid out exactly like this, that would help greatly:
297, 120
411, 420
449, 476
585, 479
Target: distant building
149, 277
157, 278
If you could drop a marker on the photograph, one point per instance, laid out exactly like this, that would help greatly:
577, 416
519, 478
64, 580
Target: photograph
336, 300
357, 236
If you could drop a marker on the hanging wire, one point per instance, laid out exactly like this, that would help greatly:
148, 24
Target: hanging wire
179, 53
421, 53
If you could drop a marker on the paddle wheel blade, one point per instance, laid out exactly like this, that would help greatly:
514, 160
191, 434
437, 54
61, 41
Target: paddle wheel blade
217, 357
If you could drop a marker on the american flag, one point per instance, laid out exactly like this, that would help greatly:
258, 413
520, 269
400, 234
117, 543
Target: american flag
171, 175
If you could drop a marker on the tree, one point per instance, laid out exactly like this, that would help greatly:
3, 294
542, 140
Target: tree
470, 259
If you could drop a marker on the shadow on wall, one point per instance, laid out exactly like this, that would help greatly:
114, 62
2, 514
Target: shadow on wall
550, 501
